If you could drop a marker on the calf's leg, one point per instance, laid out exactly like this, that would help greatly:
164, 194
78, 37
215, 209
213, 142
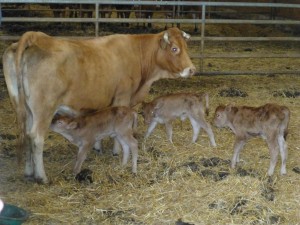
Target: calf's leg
274, 150
196, 128
98, 147
169, 131
150, 128
81, 156
129, 142
238, 145
283, 153
209, 132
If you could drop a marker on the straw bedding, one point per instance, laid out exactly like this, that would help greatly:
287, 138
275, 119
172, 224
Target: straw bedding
176, 183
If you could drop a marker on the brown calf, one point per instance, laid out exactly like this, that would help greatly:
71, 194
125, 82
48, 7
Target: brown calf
269, 121
84, 130
167, 108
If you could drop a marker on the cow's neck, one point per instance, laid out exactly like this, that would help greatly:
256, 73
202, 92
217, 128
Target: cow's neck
150, 71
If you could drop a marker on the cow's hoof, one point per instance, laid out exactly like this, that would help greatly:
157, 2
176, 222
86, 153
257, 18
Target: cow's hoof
29, 178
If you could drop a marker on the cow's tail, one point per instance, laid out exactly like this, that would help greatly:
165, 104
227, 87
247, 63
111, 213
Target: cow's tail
27, 40
206, 97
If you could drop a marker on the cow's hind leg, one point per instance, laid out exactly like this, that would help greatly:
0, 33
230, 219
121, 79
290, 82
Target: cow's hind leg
41, 121
37, 135
29, 165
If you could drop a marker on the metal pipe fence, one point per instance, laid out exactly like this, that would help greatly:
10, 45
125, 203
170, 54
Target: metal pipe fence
204, 20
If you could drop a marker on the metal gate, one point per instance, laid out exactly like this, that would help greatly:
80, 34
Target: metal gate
206, 9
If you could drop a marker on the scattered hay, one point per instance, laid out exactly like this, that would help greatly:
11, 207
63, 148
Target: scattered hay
232, 92
287, 93
193, 182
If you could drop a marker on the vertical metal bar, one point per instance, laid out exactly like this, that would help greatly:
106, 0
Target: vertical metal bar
96, 17
0, 14
202, 38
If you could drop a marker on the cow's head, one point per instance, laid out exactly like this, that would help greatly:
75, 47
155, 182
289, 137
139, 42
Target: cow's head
173, 56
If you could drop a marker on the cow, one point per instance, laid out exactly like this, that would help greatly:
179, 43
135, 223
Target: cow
165, 109
43, 73
270, 121
87, 128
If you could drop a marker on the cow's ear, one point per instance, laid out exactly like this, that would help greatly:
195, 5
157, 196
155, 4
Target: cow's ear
165, 40
186, 36
72, 125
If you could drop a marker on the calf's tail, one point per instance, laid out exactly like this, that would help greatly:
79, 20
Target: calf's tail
205, 95
135, 121
285, 122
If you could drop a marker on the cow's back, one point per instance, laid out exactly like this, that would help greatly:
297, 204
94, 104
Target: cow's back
79, 73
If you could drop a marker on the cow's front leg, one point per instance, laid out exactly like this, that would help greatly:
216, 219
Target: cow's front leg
238, 145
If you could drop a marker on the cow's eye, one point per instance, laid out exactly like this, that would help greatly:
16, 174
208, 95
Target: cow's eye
174, 49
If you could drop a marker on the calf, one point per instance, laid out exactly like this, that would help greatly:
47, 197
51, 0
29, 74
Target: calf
165, 109
269, 121
83, 130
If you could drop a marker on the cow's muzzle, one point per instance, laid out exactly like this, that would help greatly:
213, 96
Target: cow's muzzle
187, 72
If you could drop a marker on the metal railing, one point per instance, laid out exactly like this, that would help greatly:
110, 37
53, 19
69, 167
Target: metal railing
203, 21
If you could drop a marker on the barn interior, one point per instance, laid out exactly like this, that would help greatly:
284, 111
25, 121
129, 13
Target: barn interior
244, 54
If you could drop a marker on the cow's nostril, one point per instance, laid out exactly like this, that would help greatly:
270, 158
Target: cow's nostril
192, 70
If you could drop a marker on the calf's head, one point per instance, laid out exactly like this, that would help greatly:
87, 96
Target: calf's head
220, 117
62, 124
149, 111
173, 55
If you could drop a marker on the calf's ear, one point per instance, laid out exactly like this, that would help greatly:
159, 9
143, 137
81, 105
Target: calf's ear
72, 125
229, 107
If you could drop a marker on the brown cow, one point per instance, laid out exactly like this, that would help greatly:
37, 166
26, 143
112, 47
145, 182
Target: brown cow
269, 121
44, 72
167, 108
84, 130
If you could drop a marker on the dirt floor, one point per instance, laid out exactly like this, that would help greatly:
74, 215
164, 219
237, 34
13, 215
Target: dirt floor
176, 183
